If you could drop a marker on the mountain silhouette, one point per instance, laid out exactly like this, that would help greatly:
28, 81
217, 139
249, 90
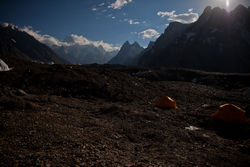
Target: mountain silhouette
217, 41
14, 42
127, 54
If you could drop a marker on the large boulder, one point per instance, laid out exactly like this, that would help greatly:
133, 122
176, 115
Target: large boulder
247, 92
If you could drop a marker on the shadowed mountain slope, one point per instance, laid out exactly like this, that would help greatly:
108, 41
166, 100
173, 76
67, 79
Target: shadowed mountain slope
14, 42
217, 41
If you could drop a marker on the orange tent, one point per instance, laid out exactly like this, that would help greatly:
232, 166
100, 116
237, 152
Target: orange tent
230, 113
166, 102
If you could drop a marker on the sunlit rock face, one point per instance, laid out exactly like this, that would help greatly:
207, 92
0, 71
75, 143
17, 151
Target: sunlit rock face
217, 41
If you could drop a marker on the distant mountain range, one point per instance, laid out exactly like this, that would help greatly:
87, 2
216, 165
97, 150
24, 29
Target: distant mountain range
217, 41
14, 42
128, 54
77, 53
73, 49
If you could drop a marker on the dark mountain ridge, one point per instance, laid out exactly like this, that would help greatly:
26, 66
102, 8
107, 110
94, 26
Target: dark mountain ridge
127, 54
14, 42
217, 41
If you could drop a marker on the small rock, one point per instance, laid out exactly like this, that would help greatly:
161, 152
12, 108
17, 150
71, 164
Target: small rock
192, 128
247, 92
205, 135
194, 80
205, 105
21, 92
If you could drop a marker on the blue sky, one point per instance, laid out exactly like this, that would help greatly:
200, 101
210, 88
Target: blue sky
113, 21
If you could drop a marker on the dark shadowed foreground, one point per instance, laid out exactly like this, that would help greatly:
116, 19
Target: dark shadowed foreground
65, 115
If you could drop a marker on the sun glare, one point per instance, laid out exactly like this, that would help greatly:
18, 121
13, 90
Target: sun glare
227, 3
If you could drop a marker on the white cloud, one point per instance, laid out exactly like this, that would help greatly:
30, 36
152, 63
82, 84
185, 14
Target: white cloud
45, 39
81, 40
94, 9
185, 17
149, 33
130, 21
12, 26
118, 4
111, 16
75, 40
163, 14
133, 22
189, 17
101, 4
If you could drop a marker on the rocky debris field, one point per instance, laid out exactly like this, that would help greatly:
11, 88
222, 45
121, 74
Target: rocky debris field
105, 115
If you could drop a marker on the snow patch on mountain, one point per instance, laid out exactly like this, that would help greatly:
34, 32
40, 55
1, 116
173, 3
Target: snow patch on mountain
77, 49
4, 66
5, 25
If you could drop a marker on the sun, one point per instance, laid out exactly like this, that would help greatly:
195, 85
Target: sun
227, 3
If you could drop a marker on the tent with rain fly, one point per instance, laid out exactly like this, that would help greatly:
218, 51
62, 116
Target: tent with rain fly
230, 113
166, 102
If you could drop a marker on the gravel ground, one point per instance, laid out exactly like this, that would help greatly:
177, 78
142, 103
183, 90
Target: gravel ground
65, 115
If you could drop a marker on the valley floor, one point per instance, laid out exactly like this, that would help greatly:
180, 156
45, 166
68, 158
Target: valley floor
65, 115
